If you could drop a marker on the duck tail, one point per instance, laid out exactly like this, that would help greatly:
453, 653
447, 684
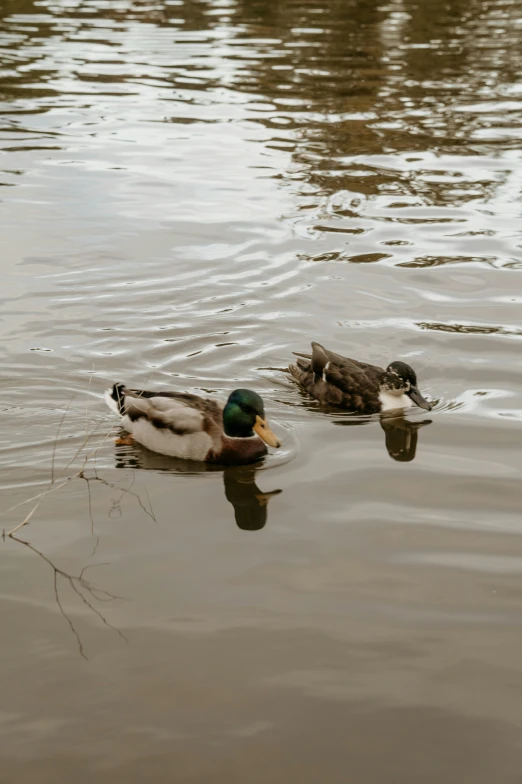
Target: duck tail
294, 371
115, 399
301, 366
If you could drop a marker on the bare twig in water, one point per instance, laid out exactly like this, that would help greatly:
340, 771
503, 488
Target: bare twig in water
62, 420
55, 485
71, 624
91, 518
86, 591
80, 586
124, 491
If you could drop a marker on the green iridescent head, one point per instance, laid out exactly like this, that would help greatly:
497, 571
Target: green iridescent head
244, 417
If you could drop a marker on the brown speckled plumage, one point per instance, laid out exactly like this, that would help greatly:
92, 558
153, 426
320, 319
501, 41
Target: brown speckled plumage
356, 386
338, 381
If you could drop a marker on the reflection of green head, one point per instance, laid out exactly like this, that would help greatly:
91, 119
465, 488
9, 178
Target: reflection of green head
250, 504
240, 412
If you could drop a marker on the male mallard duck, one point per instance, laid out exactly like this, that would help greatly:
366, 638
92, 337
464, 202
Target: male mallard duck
357, 386
195, 428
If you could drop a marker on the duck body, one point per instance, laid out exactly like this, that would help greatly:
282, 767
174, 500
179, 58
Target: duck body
179, 424
339, 381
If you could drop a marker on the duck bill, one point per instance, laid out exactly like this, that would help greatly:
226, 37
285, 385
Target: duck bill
417, 398
263, 498
264, 432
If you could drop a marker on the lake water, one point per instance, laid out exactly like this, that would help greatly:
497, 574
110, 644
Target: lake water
189, 192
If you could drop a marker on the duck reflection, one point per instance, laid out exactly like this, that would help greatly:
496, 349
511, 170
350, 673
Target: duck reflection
401, 436
241, 491
250, 504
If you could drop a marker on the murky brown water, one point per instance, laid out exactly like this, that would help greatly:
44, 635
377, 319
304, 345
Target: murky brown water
189, 192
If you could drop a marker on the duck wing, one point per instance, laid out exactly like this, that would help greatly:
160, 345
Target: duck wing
337, 380
179, 412
321, 356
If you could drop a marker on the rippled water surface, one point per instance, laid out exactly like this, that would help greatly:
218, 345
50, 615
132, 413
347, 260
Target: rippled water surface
190, 191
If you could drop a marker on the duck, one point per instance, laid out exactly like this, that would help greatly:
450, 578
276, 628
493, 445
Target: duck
356, 386
180, 424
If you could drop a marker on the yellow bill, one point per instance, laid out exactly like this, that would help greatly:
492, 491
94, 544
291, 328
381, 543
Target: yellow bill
264, 432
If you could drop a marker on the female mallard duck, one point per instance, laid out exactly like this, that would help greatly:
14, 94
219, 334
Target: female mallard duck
179, 424
357, 386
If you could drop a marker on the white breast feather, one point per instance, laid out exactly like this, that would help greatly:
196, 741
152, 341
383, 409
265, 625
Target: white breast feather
390, 401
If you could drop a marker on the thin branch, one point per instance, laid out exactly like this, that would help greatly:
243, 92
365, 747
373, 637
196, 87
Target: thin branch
88, 390
71, 624
62, 420
53, 486
97, 538
76, 582
91, 566
97, 612
150, 505
124, 491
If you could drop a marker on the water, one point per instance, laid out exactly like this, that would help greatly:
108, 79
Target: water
190, 192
